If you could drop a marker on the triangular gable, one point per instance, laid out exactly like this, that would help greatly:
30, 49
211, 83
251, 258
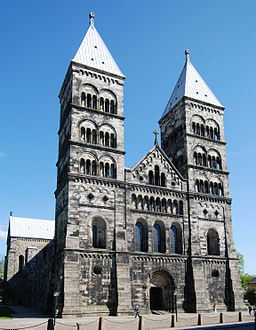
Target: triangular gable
156, 157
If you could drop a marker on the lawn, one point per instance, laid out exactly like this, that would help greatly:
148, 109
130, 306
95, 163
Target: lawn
5, 312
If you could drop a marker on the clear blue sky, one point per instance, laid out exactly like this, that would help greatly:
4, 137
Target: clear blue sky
147, 39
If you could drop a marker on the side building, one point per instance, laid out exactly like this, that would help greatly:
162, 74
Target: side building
150, 235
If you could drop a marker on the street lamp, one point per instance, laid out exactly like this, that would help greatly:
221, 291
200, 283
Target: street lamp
56, 294
175, 296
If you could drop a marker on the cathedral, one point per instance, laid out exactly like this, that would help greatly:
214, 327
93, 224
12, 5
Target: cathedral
156, 235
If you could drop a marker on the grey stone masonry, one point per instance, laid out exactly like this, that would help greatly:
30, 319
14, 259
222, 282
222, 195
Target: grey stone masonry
157, 235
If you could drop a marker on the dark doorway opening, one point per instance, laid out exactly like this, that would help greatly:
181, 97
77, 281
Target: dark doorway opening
156, 299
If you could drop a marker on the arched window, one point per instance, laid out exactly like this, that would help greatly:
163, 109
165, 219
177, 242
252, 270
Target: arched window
151, 177
194, 127
112, 106
82, 133
113, 171
112, 141
88, 135
152, 204
197, 186
101, 138
94, 136
195, 158
175, 207
101, 169
21, 263
140, 202
99, 233
88, 166
163, 180
102, 104
134, 202
83, 98
175, 239
211, 132
82, 166
158, 205
213, 245
107, 170
204, 160
89, 100
156, 238
206, 187
157, 176
164, 206
107, 105
146, 203
202, 130
94, 102
94, 168
138, 236
107, 139
181, 208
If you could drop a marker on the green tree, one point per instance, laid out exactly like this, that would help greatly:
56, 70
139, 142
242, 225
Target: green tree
250, 295
245, 278
2, 268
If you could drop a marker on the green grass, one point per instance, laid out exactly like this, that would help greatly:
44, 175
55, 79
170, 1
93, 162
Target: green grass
5, 312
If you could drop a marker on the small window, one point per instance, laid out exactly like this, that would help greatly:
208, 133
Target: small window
215, 273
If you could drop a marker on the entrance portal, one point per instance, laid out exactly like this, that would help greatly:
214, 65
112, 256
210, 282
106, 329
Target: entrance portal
162, 291
156, 298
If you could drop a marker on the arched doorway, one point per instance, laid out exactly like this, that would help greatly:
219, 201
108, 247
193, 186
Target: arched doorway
162, 291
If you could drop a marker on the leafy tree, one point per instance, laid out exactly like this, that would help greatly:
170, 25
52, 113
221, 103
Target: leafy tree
245, 278
1, 268
240, 258
250, 295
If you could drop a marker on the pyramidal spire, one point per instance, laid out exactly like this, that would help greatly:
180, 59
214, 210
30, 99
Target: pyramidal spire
191, 84
94, 53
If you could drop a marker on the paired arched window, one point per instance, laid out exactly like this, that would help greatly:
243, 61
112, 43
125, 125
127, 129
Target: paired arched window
105, 104
141, 237
99, 233
213, 244
207, 130
93, 135
92, 167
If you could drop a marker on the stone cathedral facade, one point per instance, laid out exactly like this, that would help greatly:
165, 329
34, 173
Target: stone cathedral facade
149, 234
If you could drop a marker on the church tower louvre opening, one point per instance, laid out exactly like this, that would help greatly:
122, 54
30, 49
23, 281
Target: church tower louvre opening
151, 235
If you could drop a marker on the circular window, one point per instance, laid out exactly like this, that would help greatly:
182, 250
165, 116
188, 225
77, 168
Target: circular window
97, 270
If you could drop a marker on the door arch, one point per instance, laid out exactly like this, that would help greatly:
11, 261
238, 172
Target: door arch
161, 291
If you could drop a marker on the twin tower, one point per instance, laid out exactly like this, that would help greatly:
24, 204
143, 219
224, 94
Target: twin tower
152, 233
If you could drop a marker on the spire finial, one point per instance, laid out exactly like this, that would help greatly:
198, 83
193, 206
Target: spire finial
187, 54
91, 15
156, 133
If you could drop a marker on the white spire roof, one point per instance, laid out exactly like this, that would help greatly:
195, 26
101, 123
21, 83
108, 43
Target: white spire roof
94, 53
191, 84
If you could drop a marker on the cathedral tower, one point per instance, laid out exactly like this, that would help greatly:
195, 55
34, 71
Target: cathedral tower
90, 167
192, 135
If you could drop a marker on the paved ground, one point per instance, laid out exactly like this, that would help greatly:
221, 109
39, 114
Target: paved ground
29, 318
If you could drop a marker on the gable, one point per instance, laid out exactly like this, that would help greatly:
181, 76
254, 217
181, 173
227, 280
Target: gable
156, 169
